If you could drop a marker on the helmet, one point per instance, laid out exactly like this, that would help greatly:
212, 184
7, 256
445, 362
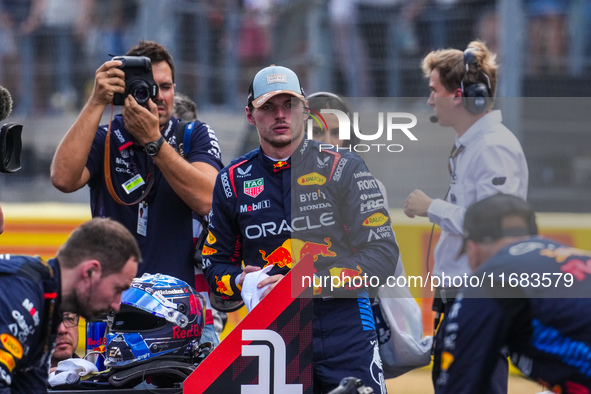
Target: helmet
160, 316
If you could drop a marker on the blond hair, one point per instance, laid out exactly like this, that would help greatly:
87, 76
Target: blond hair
452, 69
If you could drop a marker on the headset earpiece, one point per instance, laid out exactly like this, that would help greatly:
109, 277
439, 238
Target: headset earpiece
475, 96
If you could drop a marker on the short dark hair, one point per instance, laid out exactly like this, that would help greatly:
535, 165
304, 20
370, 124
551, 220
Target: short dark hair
101, 239
154, 51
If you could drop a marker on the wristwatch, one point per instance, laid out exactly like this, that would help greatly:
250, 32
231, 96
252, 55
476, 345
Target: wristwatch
152, 148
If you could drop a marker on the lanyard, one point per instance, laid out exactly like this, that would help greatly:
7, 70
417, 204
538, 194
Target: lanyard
107, 171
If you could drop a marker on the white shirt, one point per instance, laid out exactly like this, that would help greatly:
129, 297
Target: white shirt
492, 161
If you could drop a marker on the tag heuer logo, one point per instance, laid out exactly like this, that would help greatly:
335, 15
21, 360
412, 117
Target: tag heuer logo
255, 187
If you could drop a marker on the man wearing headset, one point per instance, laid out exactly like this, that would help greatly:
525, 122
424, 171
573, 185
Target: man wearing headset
486, 159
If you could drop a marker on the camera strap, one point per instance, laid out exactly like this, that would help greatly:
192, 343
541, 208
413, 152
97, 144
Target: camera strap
107, 165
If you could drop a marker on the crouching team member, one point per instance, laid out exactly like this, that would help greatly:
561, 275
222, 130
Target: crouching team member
289, 187
95, 265
534, 301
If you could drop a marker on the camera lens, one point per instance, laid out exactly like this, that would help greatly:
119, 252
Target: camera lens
140, 92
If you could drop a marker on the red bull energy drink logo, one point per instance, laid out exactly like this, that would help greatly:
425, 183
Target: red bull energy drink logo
317, 249
224, 286
346, 278
280, 257
96, 343
280, 165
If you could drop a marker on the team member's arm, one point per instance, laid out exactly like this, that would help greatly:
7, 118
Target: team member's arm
473, 336
222, 252
21, 304
368, 226
192, 182
68, 168
1, 221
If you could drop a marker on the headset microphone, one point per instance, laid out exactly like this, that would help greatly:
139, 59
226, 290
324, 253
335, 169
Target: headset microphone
434, 119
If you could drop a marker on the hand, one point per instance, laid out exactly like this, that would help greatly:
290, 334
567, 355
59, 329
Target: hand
417, 204
248, 269
272, 281
108, 80
142, 123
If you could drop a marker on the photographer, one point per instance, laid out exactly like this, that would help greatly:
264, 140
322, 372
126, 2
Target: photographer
141, 180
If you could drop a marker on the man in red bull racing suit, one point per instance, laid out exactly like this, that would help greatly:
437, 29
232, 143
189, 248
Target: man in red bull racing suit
289, 198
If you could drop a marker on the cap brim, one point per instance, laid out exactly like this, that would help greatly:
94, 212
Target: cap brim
259, 101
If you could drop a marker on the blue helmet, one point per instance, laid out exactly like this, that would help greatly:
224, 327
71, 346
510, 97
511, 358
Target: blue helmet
160, 316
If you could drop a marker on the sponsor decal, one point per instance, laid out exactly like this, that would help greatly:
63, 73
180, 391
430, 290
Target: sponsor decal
7, 359
562, 253
244, 173
281, 165
119, 136
446, 359
300, 223
195, 304
313, 207
95, 344
322, 163
211, 239
365, 196
310, 223
371, 205
25, 330
578, 268
255, 206
375, 220
206, 263
214, 152
5, 377
255, 231
345, 275
317, 249
224, 286
362, 174
12, 345
280, 257
255, 187
166, 292
276, 78
367, 184
191, 331
215, 149
312, 178
226, 185
28, 305
379, 233
263, 98
207, 251
313, 196
339, 171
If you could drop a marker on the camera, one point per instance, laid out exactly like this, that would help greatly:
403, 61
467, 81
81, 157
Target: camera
139, 81
10, 147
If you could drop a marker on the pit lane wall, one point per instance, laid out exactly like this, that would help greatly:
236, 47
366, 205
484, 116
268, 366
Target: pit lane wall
39, 229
